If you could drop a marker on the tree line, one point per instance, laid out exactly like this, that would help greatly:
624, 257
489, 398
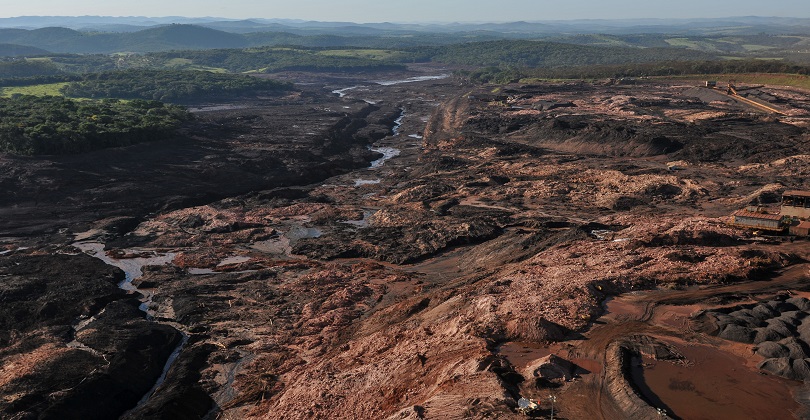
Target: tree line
170, 85
52, 125
656, 69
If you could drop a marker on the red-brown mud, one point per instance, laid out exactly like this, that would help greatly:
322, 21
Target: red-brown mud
492, 241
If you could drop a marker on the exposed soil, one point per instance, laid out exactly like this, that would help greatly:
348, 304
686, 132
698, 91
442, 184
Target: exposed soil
465, 272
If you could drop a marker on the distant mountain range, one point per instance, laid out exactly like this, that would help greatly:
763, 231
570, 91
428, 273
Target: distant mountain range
13, 50
96, 34
731, 25
159, 38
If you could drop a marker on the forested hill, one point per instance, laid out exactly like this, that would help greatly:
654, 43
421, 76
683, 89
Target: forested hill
552, 54
175, 37
162, 38
14, 50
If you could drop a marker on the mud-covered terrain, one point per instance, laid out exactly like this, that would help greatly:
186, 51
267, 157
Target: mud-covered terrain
228, 150
420, 248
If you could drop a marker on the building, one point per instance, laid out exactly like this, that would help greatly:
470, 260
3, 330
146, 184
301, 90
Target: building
762, 221
800, 228
796, 204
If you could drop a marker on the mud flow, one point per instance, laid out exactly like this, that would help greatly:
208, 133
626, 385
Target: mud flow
410, 246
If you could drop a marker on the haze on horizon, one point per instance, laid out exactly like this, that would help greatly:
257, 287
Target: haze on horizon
362, 11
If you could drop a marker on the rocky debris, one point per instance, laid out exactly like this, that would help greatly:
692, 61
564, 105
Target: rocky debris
516, 223
550, 369
399, 244
778, 327
75, 345
181, 396
221, 154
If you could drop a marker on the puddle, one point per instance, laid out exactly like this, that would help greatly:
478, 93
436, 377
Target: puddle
388, 153
713, 382
233, 260
623, 307
521, 354
9, 251
361, 182
675, 316
342, 92
283, 243
411, 80
362, 223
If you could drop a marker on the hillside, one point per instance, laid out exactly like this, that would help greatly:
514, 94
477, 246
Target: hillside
161, 38
14, 50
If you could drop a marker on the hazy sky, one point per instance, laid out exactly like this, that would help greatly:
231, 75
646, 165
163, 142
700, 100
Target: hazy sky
412, 10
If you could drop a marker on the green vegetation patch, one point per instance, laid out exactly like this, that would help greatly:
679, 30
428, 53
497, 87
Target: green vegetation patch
47, 89
369, 54
776, 79
171, 86
274, 59
780, 71
27, 68
50, 125
524, 54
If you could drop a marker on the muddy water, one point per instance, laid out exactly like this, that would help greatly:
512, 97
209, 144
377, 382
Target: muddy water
411, 80
521, 355
282, 245
388, 152
362, 182
718, 379
342, 92
714, 384
133, 269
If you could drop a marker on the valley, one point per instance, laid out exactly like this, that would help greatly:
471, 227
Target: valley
407, 245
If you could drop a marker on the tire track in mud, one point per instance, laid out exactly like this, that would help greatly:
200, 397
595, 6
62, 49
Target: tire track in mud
614, 327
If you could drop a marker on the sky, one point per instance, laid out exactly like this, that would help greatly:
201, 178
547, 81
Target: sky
412, 10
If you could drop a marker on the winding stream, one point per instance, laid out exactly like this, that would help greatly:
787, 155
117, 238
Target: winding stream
133, 269
388, 152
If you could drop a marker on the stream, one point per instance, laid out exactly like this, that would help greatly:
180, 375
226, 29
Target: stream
388, 152
133, 269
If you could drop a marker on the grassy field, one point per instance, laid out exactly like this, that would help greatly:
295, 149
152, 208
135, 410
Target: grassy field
50, 89
186, 64
795, 80
368, 54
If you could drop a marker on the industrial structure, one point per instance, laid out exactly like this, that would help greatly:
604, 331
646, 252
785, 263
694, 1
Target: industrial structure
793, 217
760, 221
732, 91
796, 204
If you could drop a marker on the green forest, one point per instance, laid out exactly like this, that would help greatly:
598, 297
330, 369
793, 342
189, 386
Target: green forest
268, 60
50, 125
654, 69
170, 85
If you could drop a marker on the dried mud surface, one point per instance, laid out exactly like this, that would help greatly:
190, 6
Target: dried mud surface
438, 283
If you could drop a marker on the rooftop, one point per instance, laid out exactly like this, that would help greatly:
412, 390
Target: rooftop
797, 193
752, 215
